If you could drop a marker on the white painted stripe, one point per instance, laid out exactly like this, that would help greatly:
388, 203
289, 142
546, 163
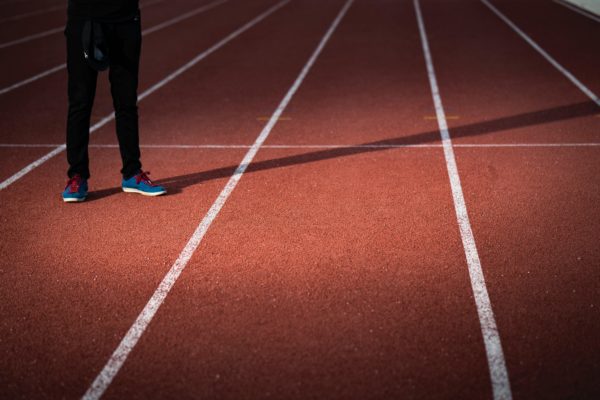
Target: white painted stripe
13, 1
588, 92
184, 16
155, 28
493, 348
58, 8
212, 49
29, 38
32, 166
315, 146
129, 341
578, 10
150, 3
32, 78
148, 31
525, 145
32, 13
28, 145
152, 89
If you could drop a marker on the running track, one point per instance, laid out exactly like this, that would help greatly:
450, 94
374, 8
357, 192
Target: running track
319, 239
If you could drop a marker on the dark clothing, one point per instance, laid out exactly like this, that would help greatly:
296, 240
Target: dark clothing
124, 41
103, 10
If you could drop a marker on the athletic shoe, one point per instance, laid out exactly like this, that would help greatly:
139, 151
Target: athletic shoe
141, 184
76, 190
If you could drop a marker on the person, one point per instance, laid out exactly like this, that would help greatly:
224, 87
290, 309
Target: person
104, 34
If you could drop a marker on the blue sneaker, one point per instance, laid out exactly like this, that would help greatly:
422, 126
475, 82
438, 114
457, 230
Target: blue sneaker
141, 184
76, 190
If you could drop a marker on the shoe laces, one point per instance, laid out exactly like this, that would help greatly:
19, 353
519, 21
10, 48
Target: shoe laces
143, 177
74, 183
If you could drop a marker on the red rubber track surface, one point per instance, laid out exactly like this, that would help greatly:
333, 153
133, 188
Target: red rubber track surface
305, 307
329, 273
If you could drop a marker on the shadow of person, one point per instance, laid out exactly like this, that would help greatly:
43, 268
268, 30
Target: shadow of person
100, 194
176, 184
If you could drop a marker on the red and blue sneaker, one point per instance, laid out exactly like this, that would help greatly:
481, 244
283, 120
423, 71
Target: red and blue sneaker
140, 183
76, 190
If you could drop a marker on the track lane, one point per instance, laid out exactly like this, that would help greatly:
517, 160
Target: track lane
534, 211
20, 28
508, 95
13, 158
35, 56
71, 315
71, 287
325, 268
537, 214
52, 128
567, 36
42, 18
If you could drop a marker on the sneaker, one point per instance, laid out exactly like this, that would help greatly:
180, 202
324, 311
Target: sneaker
76, 190
141, 184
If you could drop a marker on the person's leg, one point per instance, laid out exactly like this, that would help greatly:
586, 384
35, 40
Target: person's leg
125, 40
81, 92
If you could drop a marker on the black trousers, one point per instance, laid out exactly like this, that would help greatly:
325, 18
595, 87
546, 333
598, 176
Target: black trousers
124, 41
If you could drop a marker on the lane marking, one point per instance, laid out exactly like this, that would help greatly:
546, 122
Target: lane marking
32, 37
184, 16
588, 92
282, 118
525, 145
491, 337
48, 32
32, 79
32, 13
578, 10
314, 146
13, 1
147, 31
150, 3
129, 341
150, 90
434, 117
5, 2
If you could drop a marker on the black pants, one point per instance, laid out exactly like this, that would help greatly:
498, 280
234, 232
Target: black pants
124, 40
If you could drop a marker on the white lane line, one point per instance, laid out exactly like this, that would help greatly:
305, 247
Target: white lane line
29, 38
152, 89
147, 31
5, 2
314, 146
155, 28
526, 145
48, 32
32, 13
2, 3
491, 337
32, 79
129, 341
588, 92
578, 10
28, 145
150, 3
60, 7
182, 17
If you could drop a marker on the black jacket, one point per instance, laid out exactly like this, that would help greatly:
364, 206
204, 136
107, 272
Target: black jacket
103, 10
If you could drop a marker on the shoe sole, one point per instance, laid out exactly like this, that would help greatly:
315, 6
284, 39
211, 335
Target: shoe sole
73, 200
150, 194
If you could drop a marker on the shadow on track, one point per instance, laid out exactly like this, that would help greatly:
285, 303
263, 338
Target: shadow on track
176, 184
